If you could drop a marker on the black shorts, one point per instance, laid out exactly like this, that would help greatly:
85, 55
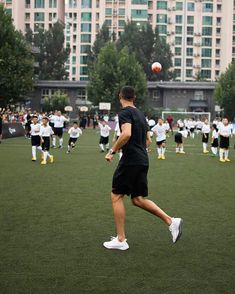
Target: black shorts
224, 142
58, 132
35, 140
178, 138
159, 143
72, 140
215, 143
46, 144
192, 130
51, 125
104, 140
205, 137
130, 180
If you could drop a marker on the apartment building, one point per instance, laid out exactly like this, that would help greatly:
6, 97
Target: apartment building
201, 33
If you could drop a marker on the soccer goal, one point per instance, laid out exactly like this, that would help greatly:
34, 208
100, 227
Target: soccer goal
176, 115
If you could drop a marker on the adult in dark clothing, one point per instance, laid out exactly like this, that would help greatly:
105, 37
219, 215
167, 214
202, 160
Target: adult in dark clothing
130, 177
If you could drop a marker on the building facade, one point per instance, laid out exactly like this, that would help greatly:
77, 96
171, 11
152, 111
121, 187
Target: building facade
201, 33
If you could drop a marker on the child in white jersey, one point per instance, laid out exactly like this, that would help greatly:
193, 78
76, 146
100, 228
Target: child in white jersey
35, 137
104, 135
224, 133
160, 131
74, 133
205, 135
45, 134
214, 140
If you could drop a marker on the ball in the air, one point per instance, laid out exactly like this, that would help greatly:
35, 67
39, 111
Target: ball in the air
156, 67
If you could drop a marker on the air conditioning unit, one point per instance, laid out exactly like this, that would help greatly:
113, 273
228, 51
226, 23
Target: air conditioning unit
168, 33
198, 66
173, 8
169, 9
195, 55
172, 32
173, 44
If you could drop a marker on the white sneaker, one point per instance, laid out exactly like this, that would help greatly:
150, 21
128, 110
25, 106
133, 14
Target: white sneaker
116, 244
176, 229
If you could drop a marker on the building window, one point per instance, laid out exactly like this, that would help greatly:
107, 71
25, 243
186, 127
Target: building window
73, 59
162, 5
189, 62
207, 7
217, 62
162, 29
108, 11
198, 95
86, 4
219, 7
73, 71
178, 19
178, 40
38, 27
189, 51
177, 61
206, 63
190, 19
207, 20
121, 23
86, 38
206, 74
178, 30
39, 16
52, 3
108, 22
190, 6
177, 72
85, 48
190, 30
86, 16
189, 73
207, 42
72, 3
83, 70
189, 41
161, 18
27, 16
39, 4
121, 11
177, 51
83, 59
206, 52
179, 6
207, 31
139, 2
27, 3
86, 27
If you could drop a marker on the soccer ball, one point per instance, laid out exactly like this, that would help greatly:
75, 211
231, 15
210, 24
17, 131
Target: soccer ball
156, 67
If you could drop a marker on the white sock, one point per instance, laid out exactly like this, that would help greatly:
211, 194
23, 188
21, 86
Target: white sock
193, 135
204, 146
48, 154
226, 154
107, 146
216, 150
102, 147
221, 153
39, 148
69, 148
61, 141
34, 151
159, 151
163, 150
182, 149
177, 149
120, 155
54, 141
45, 155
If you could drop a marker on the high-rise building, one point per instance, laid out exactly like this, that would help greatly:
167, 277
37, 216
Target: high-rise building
201, 33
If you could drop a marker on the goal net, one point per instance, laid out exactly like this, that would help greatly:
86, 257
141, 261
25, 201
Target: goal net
176, 115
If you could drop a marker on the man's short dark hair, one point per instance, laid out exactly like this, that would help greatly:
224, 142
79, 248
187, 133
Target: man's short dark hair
127, 93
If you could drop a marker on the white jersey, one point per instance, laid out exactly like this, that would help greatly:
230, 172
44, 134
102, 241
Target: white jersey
59, 121
52, 118
160, 132
104, 130
215, 134
35, 129
206, 129
199, 124
167, 126
46, 131
180, 124
117, 129
74, 132
191, 124
225, 131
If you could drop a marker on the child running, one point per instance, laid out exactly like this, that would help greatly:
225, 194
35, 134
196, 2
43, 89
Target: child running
104, 135
45, 133
74, 133
35, 137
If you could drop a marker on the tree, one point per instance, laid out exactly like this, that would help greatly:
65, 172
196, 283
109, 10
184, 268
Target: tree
113, 70
16, 63
225, 91
53, 55
57, 101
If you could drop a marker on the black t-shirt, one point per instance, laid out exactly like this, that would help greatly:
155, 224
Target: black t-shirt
134, 151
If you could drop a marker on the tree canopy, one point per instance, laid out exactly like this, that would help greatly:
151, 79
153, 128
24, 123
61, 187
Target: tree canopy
16, 62
225, 91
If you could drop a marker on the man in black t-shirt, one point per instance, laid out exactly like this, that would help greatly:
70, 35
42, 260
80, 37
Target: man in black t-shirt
130, 177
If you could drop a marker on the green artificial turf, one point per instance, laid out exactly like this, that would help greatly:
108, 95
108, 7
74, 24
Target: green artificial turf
54, 219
